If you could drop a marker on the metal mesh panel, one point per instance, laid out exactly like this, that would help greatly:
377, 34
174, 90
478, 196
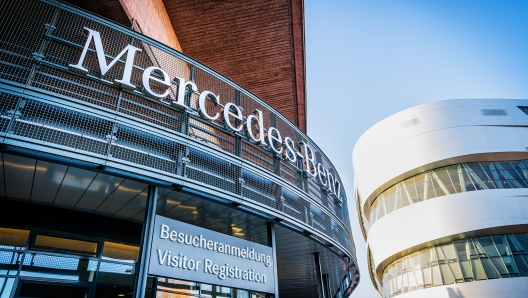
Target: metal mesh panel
18, 48
295, 206
290, 173
144, 149
257, 155
8, 104
56, 125
211, 170
314, 190
258, 189
150, 111
75, 86
212, 135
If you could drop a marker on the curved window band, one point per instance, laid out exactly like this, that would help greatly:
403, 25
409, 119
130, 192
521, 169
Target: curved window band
448, 180
472, 259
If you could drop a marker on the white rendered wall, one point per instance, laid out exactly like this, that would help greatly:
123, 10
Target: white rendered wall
430, 136
445, 129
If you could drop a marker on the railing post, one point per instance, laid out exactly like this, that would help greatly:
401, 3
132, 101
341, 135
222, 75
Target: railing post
272, 243
146, 240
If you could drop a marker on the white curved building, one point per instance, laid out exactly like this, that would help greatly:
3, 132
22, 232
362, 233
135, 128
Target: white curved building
442, 195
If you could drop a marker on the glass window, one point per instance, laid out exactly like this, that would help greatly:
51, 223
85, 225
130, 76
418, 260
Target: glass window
58, 267
13, 238
120, 252
450, 180
485, 257
9, 262
6, 286
64, 245
103, 291
115, 273
52, 291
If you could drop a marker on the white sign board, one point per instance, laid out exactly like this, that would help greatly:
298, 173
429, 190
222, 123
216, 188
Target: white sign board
184, 251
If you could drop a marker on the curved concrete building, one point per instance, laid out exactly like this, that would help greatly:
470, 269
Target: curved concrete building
442, 195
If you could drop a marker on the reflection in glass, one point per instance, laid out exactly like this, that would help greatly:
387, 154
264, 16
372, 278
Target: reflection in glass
13, 238
173, 288
60, 267
60, 244
6, 286
450, 180
120, 252
103, 291
486, 257
116, 273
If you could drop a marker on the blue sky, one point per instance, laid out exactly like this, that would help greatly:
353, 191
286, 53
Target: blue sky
366, 60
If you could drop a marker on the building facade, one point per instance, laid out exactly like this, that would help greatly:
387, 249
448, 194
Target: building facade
129, 169
442, 192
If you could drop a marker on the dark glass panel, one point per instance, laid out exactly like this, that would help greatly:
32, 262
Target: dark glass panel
486, 246
490, 270
502, 245
523, 240
521, 262
103, 291
58, 267
30, 290
114, 273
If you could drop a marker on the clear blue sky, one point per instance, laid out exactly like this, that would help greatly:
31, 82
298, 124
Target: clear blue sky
369, 59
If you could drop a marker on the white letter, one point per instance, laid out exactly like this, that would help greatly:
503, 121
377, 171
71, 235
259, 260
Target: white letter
207, 266
275, 140
235, 114
160, 258
330, 179
129, 62
164, 232
182, 90
321, 173
203, 109
289, 153
164, 83
337, 189
253, 123
309, 158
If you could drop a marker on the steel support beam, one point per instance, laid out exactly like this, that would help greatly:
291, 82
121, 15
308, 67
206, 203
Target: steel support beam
146, 241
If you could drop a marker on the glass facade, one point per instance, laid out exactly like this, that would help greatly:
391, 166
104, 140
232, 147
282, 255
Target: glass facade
450, 180
71, 265
473, 259
174, 288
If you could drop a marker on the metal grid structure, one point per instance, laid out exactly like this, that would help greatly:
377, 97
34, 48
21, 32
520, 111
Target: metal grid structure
45, 106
